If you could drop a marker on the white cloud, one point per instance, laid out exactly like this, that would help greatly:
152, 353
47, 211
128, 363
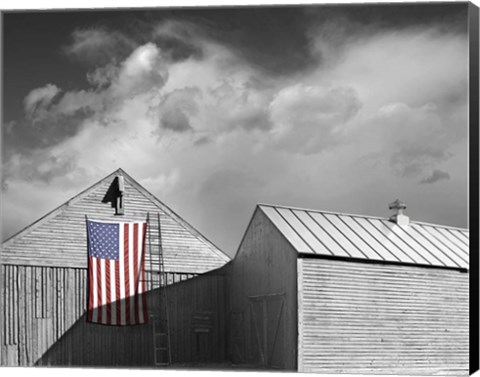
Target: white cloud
414, 66
141, 71
39, 99
74, 101
176, 108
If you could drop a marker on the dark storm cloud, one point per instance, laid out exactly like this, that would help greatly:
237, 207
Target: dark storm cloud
176, 107
99, 46
260, 35
263, 35
202, 141
178, 40
258, 120
335, 28
175, 120
355, 18
413, 160
43, 132
436, 176
46, 132
103, 76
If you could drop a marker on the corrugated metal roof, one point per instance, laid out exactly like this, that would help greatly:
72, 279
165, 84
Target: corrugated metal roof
362, 237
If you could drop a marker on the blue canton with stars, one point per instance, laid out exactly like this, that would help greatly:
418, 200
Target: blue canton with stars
103, 240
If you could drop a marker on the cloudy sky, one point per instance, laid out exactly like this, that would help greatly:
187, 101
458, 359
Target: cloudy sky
340, 108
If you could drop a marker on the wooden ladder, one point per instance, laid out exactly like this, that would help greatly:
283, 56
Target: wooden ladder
159, 314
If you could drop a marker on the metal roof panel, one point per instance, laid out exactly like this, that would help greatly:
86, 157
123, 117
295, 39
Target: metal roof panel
372, 238
406, 243
384, 238
287, 230
355, 224
447, 241
348, 232
331, 246
440, 246
459, 245
443, 258
463, 241
303, 231
343, 241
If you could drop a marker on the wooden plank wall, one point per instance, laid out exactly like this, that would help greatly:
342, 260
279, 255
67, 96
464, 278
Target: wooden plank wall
198, 319
382, 318
40, 305
264, 267
44, 320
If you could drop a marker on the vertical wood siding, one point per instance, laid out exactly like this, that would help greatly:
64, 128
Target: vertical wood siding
263, 298
198, 319
44, 320
40, 305
374, 318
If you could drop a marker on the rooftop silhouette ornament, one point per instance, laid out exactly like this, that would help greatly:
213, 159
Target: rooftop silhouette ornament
115, 195
398, 217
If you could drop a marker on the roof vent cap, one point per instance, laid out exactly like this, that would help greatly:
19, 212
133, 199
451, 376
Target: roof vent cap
398, 217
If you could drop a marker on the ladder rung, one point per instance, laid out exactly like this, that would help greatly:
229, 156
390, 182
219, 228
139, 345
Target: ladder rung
157, 279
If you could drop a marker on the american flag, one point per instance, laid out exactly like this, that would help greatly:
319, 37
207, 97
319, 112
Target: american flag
116, 267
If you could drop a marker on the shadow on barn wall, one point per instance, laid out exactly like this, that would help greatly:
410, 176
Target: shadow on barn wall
197, 311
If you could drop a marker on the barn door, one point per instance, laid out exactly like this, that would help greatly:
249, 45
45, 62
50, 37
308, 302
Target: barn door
267, 330
202, 324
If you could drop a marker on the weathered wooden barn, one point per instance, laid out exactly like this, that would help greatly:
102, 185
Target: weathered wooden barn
43, 280
334, 293
308, 290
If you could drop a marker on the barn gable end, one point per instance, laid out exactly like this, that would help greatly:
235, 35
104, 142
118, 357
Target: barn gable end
263, 298
59, 238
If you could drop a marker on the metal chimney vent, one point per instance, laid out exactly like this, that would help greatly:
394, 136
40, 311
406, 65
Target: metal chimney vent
398, 217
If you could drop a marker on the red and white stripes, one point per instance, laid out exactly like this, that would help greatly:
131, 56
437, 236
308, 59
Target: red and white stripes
117, 286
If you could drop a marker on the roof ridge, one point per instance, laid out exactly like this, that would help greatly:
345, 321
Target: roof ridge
314, 232
357, 215
173, 215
